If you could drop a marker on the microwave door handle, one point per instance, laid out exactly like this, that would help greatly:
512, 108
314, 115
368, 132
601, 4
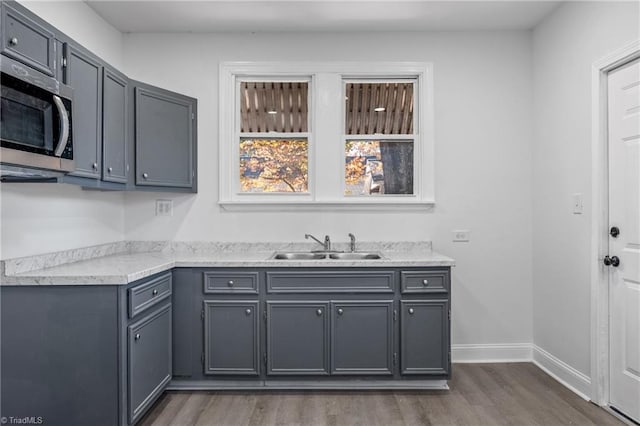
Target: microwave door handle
64, 125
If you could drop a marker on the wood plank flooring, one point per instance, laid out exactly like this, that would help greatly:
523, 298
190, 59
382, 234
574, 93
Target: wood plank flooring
481, 394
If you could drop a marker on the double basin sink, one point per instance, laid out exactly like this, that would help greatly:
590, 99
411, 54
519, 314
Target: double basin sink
326, 255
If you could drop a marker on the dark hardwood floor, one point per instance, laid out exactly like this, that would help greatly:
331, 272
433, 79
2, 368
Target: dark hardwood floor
481, 394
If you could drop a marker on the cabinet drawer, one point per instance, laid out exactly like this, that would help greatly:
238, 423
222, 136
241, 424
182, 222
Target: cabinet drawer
230, 282
330, 281
27, 41
149, 360
143, 296
434, 281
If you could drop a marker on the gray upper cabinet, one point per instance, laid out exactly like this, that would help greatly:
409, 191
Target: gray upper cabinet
83, 72
115, 164
165, 142
297, 338
28, 41
149, 360
362, 337
424, 337
231, 342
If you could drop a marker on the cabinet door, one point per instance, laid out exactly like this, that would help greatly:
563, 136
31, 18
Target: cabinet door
362, 337
424, 337
297, 338
83, 73
27, 41
165, 142
115, 166
231, 337
149, 360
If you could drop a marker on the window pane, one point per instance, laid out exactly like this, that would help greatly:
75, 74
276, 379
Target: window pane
375, 167
379, 108
273, 107
273, 165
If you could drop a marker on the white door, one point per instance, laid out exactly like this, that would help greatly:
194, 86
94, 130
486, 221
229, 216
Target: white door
624, 213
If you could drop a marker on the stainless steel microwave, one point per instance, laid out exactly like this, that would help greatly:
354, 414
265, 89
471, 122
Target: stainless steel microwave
36, 122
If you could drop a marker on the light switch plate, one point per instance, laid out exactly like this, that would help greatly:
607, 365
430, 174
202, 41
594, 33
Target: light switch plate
164, 207
461, 235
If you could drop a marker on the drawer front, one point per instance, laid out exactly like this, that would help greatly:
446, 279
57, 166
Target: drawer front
149, 360
433, 281
148, 294
27, 41
331, 281
230, 282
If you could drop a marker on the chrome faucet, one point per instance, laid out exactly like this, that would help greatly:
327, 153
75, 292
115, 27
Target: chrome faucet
352, 244
326, 244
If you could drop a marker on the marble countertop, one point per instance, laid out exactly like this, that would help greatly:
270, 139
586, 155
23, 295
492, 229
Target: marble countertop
125, 262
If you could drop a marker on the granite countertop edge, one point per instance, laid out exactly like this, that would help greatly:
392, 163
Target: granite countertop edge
128, 267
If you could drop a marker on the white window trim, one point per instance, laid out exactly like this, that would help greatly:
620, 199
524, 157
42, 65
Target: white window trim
326, 193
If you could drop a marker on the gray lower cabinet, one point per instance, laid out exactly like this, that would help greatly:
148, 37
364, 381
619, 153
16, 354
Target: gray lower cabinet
71, 355
115, 119
424, 337
231, 337
27, 40
297, 338
148, 359
165, 141
83, 72
362, 337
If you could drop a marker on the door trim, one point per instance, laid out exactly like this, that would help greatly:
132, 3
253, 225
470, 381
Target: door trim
600, 218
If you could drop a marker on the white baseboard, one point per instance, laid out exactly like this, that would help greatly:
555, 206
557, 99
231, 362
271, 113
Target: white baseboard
561, 371
512, 352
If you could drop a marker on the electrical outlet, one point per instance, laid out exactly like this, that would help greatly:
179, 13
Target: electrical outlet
164, 207
461, 236
578, 203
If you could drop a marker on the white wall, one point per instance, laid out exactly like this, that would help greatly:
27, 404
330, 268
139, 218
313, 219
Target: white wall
565, 46
483, 105
40, 218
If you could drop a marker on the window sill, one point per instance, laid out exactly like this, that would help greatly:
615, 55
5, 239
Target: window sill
322, 206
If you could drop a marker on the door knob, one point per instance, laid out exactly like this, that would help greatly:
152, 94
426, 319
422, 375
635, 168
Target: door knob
611, 261
13, 41
248, 312
145, 175
319, 312
340, 311
614, 232
411, 311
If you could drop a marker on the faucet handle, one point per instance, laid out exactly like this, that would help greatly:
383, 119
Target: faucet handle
352, 245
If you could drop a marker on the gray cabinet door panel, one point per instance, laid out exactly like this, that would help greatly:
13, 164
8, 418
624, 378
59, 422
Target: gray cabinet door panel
362, 337
297, 338
149, 353
115, 165
59, 354
164, 138
231, 334
27, 41
424, 337
84, 74
331, 282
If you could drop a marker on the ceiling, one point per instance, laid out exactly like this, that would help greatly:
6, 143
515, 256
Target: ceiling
320, 15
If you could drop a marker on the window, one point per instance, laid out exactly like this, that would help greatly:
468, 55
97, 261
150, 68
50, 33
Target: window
326, 135
379, 138
273, 136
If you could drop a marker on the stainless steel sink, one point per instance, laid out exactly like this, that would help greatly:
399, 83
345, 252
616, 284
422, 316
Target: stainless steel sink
299, 256
355, 256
